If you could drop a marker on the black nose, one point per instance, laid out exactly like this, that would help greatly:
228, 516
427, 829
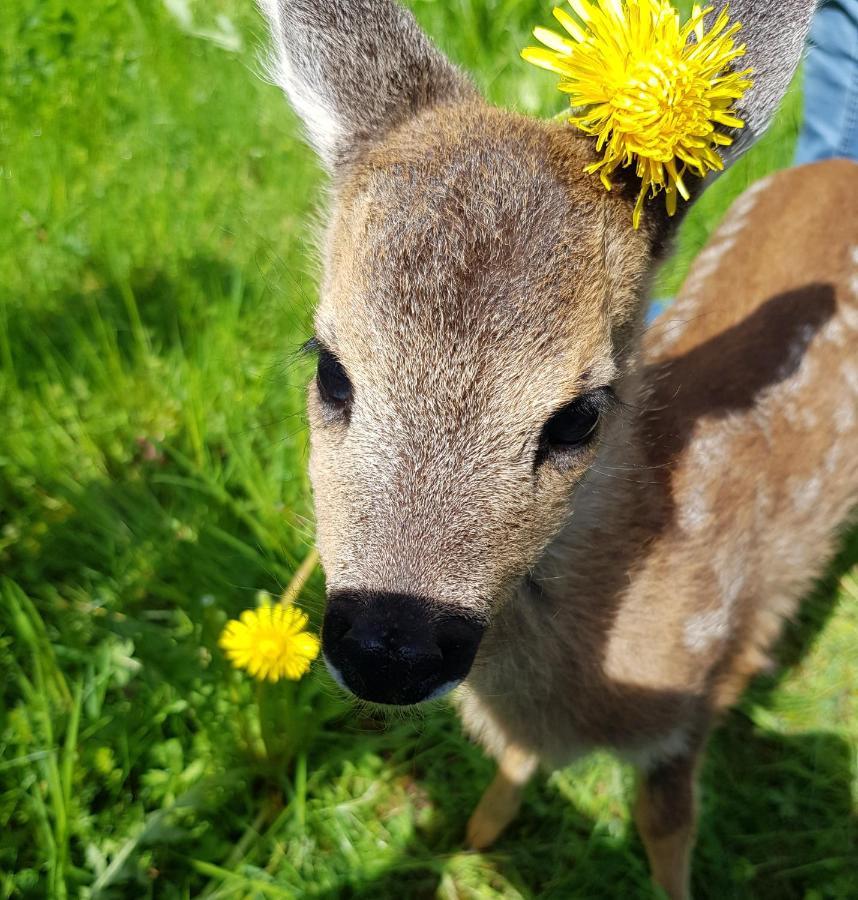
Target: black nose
396, 648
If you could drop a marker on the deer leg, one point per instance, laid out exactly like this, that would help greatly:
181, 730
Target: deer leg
501, 801
666, 817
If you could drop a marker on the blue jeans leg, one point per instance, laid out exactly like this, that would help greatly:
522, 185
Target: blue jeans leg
830, 126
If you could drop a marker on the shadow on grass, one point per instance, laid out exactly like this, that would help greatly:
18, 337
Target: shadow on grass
110, 315
777, 816
778, 809
150, 560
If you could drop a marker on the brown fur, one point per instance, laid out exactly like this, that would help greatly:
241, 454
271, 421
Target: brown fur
702, 490
707, 514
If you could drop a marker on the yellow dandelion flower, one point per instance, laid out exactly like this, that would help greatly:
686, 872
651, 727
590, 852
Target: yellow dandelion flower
270, 642
651, 90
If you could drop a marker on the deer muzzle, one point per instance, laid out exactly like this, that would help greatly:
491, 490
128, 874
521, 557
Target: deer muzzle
397, 649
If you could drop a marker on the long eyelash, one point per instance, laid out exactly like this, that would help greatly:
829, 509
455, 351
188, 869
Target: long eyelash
604, 398
608, 399
314, 345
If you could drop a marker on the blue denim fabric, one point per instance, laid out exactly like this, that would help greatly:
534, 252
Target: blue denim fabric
656, 308
830, 126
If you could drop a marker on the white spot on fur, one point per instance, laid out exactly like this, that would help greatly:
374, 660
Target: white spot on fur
712, 446
850, 375
706, 264
709, 456
808, 417
848, 313
834, 458
805, 492
834, 331
749, 198
844, 417
714, 253
670, 330
702, 630
732, 227
797, 411
671, 746
710, 627
730, 571
695, 512
738, 215
741, 209
763, 505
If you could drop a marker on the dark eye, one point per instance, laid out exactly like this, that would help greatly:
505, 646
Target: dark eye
335, 388
574, 425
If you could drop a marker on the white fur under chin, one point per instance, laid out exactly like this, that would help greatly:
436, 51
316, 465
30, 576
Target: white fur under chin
335, 673
443, 689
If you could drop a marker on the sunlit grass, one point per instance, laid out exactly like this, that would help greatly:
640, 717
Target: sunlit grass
157, 212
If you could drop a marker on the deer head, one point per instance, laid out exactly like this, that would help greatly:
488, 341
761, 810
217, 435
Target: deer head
475, 331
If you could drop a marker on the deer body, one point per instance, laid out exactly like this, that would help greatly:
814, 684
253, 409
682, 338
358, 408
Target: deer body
596, 531
703, 522
712, 505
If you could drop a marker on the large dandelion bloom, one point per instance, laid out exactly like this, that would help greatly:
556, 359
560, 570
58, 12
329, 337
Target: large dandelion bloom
270, 642
648, 88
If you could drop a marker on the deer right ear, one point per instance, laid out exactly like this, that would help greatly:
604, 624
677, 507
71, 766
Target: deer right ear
354, 69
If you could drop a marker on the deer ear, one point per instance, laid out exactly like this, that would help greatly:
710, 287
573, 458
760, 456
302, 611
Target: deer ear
354, 69
775, 34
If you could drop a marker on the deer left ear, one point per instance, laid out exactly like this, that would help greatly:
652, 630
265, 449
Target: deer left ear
775, 34
669, 102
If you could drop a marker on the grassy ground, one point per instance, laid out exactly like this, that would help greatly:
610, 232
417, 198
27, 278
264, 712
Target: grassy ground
156, 213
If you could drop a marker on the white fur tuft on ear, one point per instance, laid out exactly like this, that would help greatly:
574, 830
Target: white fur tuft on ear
353, 69
303, 87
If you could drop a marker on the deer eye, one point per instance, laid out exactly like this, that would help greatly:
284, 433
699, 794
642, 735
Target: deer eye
573, 426
334, 385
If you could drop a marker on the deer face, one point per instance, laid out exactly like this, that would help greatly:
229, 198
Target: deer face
479, 303
471, 351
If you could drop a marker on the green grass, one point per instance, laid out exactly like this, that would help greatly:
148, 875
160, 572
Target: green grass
156, 216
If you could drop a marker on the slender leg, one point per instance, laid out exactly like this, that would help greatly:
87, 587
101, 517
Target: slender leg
666, 816
501, 802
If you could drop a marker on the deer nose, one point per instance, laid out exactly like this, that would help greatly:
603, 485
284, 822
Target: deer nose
396, 648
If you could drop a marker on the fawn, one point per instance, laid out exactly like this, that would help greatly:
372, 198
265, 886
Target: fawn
593, 531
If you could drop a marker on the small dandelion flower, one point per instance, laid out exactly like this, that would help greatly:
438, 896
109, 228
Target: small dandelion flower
648, 88
270, 642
